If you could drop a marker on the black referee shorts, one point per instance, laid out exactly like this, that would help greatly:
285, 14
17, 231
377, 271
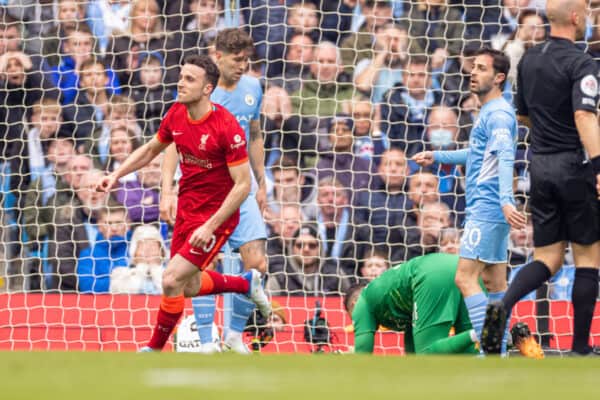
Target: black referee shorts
563, 202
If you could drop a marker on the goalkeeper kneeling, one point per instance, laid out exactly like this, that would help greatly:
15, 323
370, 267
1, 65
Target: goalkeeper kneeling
420, 299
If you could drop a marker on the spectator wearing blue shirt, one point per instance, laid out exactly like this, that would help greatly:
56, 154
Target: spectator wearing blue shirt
109, 251
78, 48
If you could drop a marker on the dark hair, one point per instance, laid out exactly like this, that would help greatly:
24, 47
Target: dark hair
208, 65
419, 59
90, 63
285, 163
500, 61
111, 207
8, 21
528, 12
351, 292
233, 40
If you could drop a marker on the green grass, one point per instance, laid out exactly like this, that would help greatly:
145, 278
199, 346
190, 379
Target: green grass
168, 376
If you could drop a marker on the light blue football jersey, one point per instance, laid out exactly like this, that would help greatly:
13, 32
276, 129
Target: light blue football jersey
494, 130
243, 102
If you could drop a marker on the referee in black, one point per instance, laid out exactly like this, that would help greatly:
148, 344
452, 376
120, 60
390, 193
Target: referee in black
557, 96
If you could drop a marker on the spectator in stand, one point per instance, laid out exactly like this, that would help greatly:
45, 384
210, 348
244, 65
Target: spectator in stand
510, 20
152, 98
108, 17
290, 186
29, 150
299, 55
442, 134
20, 87
375, 263
144, 33
383, 214
122, 143
109, 251
120, 114
520, 244
423, 188
147, 255
141, 197
282, 130
438, 29
266, 22
303, 19
85, 116
405, 107
369, 141
75, 229
359, 45
283, 226
450, 241
322, 95
375, 76
334, 222
457, 79
49, 44
78, 49
201, 30
306, 271
339, 160
432, 219
530, 31
47, 172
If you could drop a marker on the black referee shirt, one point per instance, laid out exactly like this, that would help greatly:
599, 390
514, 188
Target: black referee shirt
555, 78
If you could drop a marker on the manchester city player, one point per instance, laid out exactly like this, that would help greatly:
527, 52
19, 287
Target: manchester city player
242, 96
490, 210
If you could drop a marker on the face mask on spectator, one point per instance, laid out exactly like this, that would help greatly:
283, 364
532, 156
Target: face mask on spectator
440, 138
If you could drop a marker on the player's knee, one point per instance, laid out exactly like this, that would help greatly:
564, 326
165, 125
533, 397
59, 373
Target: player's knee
461, 280
170, 284
257, 262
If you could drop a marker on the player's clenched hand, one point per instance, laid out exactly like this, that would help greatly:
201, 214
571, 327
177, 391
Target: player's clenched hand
424, 158
106, 183
201, 237
516, 219
168, 207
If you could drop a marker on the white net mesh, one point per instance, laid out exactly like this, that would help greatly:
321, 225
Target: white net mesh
352, 89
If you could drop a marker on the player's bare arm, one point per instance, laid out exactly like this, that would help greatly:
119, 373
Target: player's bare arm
135, 161
524, 120
256, 153
240, 190
168, 193
589, 133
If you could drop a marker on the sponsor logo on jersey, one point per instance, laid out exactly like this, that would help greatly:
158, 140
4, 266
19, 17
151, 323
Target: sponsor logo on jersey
589, 85
177, 133
187, 158
239, 142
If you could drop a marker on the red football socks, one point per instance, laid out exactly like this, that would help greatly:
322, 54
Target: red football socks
213, 283
169, 312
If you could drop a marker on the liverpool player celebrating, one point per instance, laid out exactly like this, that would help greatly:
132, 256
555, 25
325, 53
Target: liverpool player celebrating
215, 181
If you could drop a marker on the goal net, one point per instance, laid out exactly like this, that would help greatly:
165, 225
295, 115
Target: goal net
351, 90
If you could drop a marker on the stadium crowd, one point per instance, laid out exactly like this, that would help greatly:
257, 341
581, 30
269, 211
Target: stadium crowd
352, 90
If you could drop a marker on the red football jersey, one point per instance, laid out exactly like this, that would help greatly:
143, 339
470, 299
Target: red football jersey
206, 148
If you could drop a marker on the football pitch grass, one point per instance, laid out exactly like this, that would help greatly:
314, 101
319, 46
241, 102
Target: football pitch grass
168, 376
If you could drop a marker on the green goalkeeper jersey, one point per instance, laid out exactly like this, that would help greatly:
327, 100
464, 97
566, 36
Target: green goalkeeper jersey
410, 297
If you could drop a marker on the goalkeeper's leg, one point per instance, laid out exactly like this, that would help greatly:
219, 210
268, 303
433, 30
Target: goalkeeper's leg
435, 340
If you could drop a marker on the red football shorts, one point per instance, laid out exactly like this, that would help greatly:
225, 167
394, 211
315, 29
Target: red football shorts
201, 257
